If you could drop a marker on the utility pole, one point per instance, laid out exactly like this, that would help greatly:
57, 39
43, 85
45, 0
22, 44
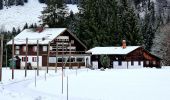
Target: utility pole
2, 37
26, 53
56, 58
37, 57
12, 58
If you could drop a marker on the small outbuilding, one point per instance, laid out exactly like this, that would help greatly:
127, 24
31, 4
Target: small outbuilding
124, 57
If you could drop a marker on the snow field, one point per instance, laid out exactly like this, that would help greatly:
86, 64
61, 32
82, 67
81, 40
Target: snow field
111, 84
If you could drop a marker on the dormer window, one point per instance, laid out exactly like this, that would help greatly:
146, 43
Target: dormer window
24, 48
34, 48
72, 41
44, 48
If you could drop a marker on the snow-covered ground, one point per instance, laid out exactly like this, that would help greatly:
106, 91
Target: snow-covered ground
111, 84
18, 16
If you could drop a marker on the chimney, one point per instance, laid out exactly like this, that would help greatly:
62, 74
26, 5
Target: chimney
39, 29
123, 44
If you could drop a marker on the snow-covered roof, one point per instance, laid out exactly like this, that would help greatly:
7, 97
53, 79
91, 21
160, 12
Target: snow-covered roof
112, 50
44, 37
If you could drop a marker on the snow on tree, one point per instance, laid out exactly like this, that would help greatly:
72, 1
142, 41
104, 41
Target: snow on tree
25, 1
11, 2
161, 46
1, 4
42, 1
55, 14
19, 2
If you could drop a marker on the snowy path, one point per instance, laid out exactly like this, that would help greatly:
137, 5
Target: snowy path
20, 89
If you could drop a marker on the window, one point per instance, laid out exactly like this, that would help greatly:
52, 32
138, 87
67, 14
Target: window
147, 62
72, 41
120, 63
60, 59
34, 59
52, 59
16, 47
51, 48
17, 52
132, 63
154, 62
44, 48
34, 48
80, 59
71, 60
24, 59
24, 48
139, 62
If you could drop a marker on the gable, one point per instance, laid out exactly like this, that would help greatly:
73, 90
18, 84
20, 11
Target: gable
149, 56
69, 35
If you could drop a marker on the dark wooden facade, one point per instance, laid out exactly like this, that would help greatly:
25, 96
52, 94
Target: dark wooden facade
139, 54
80, 49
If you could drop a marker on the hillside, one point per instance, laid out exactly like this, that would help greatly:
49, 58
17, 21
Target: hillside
18, 16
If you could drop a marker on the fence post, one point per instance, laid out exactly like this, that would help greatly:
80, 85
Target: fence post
48, 56
12, 58
67, 87
2, 37
62, 65
26, 54
56, 57
37, 57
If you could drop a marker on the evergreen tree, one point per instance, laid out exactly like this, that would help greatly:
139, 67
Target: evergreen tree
97, 22
25, 26
149, 26
31, 26
6, 3
105, 61
18, 31
1, 4
25, 1
11, 2
19, 2
35, 25
128, 25
42, 1
14, 32
55, 14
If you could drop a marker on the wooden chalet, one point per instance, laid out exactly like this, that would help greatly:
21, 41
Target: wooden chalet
57, 47
124, 57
